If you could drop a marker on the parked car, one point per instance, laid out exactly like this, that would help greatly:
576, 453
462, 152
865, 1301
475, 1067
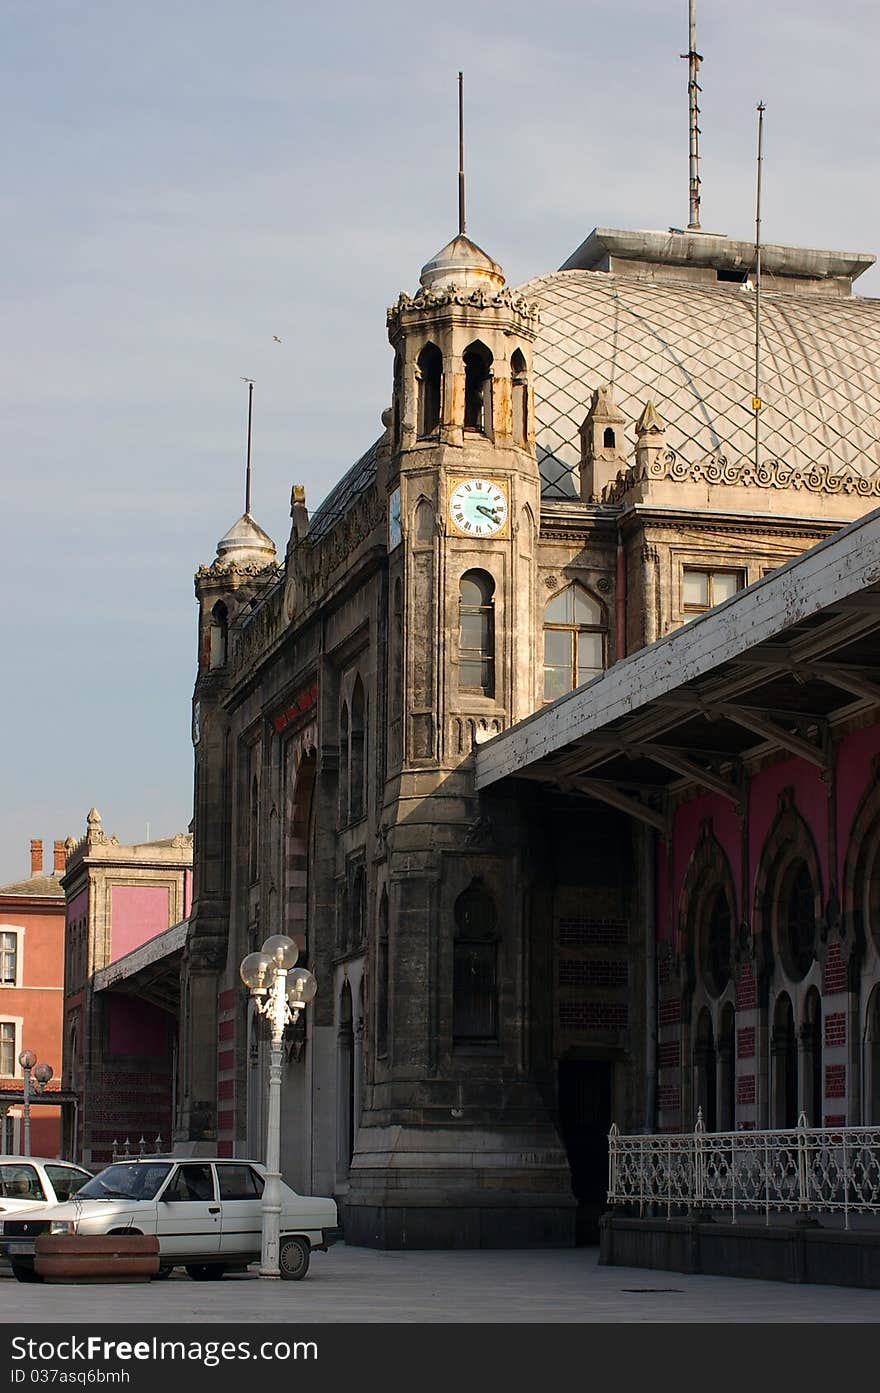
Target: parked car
28, 1181
206, 1213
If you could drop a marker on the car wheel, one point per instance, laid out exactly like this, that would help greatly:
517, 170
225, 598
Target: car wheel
205, 1271
293, 1258
23, 1273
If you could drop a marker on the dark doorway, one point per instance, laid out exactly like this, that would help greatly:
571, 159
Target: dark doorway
584, 1121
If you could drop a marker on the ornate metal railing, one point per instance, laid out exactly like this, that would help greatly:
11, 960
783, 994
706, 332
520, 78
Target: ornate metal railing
130, 1151
798, 1170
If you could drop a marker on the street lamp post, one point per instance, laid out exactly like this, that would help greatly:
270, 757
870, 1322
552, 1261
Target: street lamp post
280, 991
42, 1074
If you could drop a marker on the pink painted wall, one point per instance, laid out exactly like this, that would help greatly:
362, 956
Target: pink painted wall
137, 913
187, 893
686, 828
78, 906
136, 1028
854, 777
810, 800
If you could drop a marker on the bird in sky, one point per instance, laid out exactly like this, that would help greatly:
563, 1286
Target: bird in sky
276, 338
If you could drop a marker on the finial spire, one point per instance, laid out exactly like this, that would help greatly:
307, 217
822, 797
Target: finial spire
461, 222
757, 403
694, 89
247, 477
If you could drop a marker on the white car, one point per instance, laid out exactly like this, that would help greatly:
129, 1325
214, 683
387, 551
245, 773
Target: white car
206, 1213
28, 1181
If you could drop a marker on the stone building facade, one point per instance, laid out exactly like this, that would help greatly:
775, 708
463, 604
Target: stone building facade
567, 472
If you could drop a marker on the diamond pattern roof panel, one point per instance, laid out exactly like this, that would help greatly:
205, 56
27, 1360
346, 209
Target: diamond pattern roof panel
690, 348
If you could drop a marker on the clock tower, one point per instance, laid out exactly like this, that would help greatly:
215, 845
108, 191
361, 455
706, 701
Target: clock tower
455, 1146
465, 485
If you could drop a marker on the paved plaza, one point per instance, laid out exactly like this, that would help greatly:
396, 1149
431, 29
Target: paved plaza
360, 1284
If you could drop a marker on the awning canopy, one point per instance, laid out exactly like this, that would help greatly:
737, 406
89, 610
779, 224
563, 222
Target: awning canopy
151, 972
771, 671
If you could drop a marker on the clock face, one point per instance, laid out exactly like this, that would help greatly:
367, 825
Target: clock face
479, 508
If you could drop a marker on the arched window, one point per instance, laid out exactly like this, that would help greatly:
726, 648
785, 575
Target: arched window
727, 1069
476, 647
475, 968
358, 738
811, 1053
343, 765
345, 1078
706, 1071
429, 374
219, 635
396, 404
519, 392
358, 908
574, 641
382, 979
608, 440
478, 389
783, 1048
796, 919
714, 942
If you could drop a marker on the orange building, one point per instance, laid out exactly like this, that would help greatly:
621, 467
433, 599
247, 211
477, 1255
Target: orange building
31, 1001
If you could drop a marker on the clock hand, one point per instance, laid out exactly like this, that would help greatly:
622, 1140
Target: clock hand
487, 512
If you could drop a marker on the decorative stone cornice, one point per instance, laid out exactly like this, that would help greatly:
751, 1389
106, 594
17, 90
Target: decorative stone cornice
236, 570
479, 299
773, 474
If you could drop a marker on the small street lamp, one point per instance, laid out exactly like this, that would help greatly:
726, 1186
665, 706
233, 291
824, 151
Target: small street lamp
42, 1074
280, 991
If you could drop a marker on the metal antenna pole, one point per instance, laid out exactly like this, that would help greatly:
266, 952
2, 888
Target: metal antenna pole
694, 89
247, 477
461, 222
756, 399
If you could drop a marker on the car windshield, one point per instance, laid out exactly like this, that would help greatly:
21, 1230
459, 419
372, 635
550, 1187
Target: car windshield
129, 1180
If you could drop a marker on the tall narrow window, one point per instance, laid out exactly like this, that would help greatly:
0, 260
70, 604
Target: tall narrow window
478, 389
796, 922
519, 393
608, 440
343, 765
574, 641
429, 374
382, 979
358, 908
255, 831
219, 634
475, 968
476, 649
396, 405
358, 750
8, 959
715, 943
7, 1049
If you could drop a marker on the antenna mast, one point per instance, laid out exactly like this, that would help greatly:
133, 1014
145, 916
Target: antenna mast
694, 89
460, 155
756, 399
247, 477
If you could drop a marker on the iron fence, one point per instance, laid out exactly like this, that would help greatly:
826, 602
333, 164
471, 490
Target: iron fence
129, 1151
796, 1170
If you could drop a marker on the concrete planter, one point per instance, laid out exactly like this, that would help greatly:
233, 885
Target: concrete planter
118, 1257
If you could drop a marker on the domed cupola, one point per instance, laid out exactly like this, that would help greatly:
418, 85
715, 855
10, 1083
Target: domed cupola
246, 544
463, 265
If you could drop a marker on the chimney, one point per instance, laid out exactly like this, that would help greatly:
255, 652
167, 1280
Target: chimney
60, 858
36, 857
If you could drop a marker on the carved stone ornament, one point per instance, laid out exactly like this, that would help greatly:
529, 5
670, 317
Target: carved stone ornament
717, 469
478, 298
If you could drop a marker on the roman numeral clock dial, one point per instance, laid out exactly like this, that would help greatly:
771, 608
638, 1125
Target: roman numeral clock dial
479, 508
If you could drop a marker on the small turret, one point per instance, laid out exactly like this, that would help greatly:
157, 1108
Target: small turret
603, 445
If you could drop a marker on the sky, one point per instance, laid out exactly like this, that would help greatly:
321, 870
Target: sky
184, 182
